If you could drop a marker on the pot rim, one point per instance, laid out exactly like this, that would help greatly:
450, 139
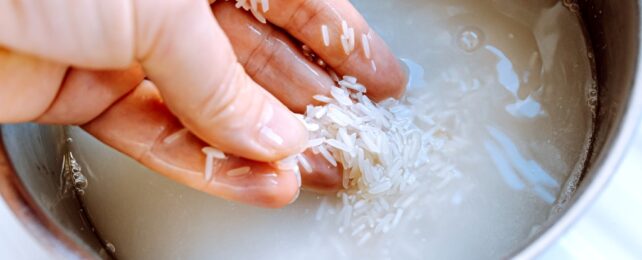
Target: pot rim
48, 234
621, 143
56, 241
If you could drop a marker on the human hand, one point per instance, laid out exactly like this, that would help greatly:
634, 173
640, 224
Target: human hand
86, 65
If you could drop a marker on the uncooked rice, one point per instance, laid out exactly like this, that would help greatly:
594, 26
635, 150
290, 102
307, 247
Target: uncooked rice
238, 171
347, 38
366, 45
304, 163
345, 45
380, 151
211, 154
269, 133
253, 7
215, 153
175, 136
326, 35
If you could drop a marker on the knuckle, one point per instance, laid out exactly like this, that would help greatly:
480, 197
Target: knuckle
230, 98
263, 54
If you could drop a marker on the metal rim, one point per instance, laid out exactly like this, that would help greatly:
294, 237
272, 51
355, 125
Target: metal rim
46, 232
57, 242
621, 144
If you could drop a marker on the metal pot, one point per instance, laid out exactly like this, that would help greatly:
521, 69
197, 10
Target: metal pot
31, 155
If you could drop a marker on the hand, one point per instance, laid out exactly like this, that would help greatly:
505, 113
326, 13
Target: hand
224, 77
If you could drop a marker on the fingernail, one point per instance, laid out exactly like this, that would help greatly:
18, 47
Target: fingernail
281, 132
297, 174
296, 196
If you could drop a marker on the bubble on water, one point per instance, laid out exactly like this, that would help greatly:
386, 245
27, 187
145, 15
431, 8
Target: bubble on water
470, 38
592, 98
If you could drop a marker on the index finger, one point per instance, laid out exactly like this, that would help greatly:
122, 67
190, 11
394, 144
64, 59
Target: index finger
321, 24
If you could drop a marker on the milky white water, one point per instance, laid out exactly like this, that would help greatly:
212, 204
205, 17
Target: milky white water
508, 80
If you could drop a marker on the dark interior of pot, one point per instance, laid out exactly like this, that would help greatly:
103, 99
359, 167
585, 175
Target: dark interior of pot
37, 152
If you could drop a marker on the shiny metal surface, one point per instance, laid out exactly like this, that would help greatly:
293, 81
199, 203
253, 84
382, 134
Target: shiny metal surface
30, 163
31, 155
614, 30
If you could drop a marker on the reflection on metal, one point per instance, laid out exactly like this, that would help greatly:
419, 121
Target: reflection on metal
71, 175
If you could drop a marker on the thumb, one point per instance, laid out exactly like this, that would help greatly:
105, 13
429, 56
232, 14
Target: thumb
182, 49
185, 52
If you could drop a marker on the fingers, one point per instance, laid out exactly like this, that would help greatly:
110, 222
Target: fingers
28, 85
92, 34
85, 94
137, 126
181, 48
323, 177
270, 58
304, 20
140, 126
187, 55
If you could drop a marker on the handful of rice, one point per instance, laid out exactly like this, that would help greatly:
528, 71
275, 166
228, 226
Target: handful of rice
380, 150
378, 145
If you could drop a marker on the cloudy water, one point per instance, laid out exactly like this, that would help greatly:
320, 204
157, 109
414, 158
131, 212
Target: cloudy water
509, 82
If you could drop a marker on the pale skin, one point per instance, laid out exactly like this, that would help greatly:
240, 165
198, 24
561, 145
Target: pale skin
133, 72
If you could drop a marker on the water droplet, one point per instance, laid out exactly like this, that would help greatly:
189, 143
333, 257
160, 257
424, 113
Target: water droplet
470, 38
110, 247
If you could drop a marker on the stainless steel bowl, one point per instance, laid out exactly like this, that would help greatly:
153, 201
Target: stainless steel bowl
31, 155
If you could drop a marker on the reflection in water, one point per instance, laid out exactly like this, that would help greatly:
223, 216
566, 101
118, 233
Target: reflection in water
511, 163
508, 78
506, 75
512, 107
415, 74
505, 170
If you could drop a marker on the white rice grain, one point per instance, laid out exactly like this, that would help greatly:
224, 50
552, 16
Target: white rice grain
397, 218
238, 171
382, 153
350, 79
258, 15
270, 134
365, 43
254, 5
315, 142
339, 145
345, 44
304, 163
215, 153
351, 39
326, 35
175, 136
326, 154
240, 3
287, 164
209, 165
321, 210
364, 239
322, 98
